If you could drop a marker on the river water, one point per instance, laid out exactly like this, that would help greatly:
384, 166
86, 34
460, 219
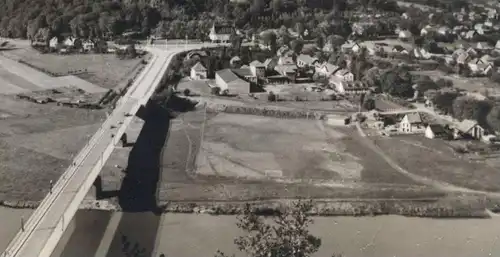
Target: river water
100, 233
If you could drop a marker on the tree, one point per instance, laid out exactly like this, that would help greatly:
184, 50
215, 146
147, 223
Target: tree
271, 97
425, 83
465, 107
297, 45
299, 28
397, 82
444, 101
369, 104
493, 118
215, 90
287, 235
130, 51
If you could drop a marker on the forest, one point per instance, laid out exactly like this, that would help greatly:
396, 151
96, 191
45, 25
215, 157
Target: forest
171, 18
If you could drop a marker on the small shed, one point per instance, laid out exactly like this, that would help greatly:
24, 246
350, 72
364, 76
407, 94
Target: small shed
435, 131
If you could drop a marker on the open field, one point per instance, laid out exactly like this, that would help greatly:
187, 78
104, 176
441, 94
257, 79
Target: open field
435, 159
472, 84
106, 71
37, 142
277, 159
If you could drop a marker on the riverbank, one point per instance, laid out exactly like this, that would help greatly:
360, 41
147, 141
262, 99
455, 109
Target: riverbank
99, 233
458, 207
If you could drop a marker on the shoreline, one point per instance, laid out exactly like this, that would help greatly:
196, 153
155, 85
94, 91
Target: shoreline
324, 208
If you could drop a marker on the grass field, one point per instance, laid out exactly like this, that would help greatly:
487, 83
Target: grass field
103, 70
435, 159
37, 142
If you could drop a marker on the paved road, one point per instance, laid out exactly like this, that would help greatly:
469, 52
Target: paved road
47, 224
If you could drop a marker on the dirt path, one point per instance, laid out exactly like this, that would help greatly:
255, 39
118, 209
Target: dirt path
424, 180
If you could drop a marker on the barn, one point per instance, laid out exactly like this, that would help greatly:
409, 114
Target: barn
227, 80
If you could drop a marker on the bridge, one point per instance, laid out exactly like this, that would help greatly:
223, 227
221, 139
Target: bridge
42, 231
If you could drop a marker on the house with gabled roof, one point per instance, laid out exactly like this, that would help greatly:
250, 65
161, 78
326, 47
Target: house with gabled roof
326, 69
483, 45
344, 75
304, 60
229, 82
198, 71
221, 33
258, 69
351, 46
468, 128
471, 34
404, 35
436, 131
463, 58
399, 49
411, 123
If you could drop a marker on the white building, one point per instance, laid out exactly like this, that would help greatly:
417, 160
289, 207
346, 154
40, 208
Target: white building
198, 71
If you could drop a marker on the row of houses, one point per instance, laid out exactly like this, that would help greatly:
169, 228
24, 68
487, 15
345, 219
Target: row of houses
412, 123
73, 43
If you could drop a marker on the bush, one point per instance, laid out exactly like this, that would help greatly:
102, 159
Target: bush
271, 97
187, 92
215, 90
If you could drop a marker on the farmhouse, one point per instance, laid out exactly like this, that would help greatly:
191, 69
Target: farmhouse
220, 33
198, 71
226, 80
468, 128
411, 122
404, 35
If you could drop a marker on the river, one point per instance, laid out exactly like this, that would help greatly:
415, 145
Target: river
99, 233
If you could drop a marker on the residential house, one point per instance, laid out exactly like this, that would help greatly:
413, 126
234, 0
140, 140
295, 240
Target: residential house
246, 74
462, 44
405, 16
426, 30
348, 88
411, 123
435, 131
488, 59
326, 69
421, 53
54, 43
488, 24
471, 34
360, 28
497, 45
344, 75
484, 45
227, 81
286, 60
468, 128
450, 60
289, 71
72, 42
472, 52
350, 47
459, 29
444, 30
258, 69
404, 35
88, 45
270, 63
463, 58
399, 49
220, 33
492, 14
235, 62
198, 71
480, 67
304, 60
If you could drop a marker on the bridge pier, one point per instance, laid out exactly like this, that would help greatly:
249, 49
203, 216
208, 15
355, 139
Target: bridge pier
98, 187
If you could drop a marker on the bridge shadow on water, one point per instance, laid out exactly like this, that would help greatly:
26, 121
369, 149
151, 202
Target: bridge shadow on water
141, 218
132, 232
